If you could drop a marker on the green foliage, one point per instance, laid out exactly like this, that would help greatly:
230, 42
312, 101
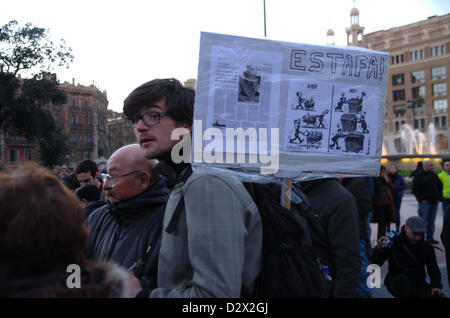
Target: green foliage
31, 49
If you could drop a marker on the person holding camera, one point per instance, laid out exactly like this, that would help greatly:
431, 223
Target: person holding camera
408, 255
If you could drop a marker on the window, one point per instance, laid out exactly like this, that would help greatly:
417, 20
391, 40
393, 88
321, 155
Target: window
399, 95
74, 120
399, 110
418, 92
422, 123
396, 126
418, 77
398, 79
444, 121
438, 73
27, 155
86, 139
432, 52
441, 141
419, 109
440, 89
416, 124
74, 138
440, 105
13, 155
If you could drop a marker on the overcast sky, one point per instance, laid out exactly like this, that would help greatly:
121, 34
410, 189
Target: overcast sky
122, 44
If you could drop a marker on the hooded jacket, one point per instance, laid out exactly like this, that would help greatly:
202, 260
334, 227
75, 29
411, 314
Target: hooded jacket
401, 262
129, 232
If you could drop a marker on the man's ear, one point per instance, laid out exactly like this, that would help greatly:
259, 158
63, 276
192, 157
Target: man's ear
144, 179
84, 202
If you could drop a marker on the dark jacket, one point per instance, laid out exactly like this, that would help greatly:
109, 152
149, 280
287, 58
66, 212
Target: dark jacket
400, 262
383, 198
399, 184
129, 232
427, 186
338, 216
92, 206
359, 189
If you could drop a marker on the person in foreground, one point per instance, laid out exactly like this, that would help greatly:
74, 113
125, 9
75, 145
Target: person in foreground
42, 242
408, 255
212, 230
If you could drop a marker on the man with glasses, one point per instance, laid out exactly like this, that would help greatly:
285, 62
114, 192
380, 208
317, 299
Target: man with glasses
127, 230
212, 231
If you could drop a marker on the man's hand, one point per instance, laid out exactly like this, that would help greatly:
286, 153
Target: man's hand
383, 242
424, 202
437, 291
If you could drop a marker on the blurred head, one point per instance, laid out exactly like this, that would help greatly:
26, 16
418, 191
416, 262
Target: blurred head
447, 166
393, 169
41, 223
87, 194
129, 173
428, 165
382, 171
169, 103
63, 171
86, 172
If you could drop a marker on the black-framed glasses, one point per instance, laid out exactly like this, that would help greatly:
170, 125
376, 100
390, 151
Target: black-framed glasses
106, 177
149, 118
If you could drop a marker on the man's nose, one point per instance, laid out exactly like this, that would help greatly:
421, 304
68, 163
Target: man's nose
140, 125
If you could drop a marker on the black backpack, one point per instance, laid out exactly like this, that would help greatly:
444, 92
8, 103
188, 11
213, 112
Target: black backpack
290, 267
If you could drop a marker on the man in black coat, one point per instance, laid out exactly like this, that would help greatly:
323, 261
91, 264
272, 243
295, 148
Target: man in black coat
408, 255
127, 230
427, 187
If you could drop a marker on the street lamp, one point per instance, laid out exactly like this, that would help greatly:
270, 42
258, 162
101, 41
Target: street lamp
414, 102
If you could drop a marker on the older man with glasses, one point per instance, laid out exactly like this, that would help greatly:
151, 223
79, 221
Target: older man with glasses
127, 230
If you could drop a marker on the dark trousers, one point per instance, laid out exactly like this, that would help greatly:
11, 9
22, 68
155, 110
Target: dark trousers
382, 216
397, 204
400, 286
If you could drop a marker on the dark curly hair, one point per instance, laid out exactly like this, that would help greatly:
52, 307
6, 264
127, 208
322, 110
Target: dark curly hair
179, 99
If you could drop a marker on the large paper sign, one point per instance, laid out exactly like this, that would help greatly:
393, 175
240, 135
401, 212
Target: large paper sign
289, 109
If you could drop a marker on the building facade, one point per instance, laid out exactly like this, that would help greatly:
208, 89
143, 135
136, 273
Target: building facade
417, 113
120, 130
83, 119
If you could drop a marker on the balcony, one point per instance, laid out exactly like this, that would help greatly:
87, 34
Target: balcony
19, 141
80, 126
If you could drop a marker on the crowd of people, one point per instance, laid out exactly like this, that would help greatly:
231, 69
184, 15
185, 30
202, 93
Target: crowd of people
145, 225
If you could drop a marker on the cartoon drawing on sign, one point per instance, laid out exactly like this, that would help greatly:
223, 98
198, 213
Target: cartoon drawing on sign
249, 85
303, 103
335, 139
297, 124
341, 103
300, 100
313, 138
362, 121
315, 121
355, 105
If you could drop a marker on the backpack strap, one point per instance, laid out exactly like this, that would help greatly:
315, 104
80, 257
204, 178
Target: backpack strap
180, 206
175, 216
